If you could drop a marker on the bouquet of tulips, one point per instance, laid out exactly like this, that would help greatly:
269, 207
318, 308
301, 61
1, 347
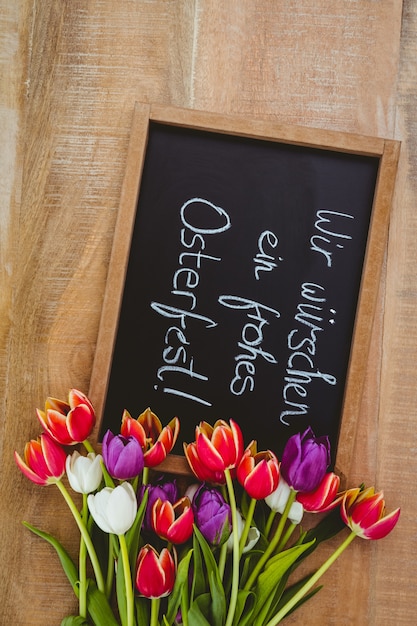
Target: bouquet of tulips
216, 551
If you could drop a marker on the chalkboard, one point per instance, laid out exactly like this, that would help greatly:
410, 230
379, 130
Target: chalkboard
238, 276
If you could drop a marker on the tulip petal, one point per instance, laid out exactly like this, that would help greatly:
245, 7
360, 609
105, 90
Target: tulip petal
382, 527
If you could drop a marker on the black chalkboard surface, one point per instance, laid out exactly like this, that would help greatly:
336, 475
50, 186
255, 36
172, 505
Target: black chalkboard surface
244, 268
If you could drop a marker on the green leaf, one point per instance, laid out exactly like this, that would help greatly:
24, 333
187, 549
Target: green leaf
98, 607
174, 599
270, 578
142, 606
244, 608
218, 604
66, 561
199, 583
74, 620
199, 610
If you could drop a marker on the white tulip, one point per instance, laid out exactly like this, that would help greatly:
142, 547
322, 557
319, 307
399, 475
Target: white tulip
114, 510
84, 472
252, 538
278, 500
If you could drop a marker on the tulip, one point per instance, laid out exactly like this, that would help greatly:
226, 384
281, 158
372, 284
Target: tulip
123, 457
200, 470
258, 472
155, 573
364, 512
162, 490
324, 498
114, 510
305, 460
84, 472
212, 515
278, 499
156, 442
173, 522
68, 422
217, 447
43, 462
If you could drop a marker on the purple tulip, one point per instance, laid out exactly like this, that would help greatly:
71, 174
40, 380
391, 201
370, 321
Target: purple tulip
163, 490
122, 456
305, 460
212, 515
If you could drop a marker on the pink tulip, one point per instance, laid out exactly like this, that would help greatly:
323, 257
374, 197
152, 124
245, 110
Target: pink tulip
364, 512
173, 522
324, 498
44, 460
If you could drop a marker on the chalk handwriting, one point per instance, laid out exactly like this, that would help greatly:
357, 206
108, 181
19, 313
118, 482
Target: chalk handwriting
302, 341
265, 262
251, 339
330, 234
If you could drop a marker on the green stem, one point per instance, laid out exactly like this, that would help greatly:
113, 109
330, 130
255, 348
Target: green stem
87, 445
155, 602
110, 566
269, 522
185, 605
311, 582
246, 527
236, 558
286, 537
145, 476
272, 544
222, 559
82, 563
130, 604
85, 535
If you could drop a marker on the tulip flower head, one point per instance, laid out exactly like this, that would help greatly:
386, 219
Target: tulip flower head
212, 515
173, 522
278, 499
324, 498
252, 539
114, 510
161, 490
156, 441
305, 460
43, 460
155, 573
68, 422
216, 449
84, 472
123, 457
258, 472
364, 512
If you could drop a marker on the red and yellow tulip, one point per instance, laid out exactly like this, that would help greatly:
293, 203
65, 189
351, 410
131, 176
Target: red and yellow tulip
43, 460
68, 422
324, 498
216, 448
363, 510
173, 522
258, 472
156, 441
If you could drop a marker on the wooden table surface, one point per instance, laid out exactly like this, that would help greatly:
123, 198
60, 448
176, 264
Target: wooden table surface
71, 71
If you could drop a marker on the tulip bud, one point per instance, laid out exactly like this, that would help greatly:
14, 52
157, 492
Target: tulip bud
324, 498
212, 515
161, 490
155, 573
114, 510
258, 472
173, 522
156, 441
84, 472
123, 456
305, 460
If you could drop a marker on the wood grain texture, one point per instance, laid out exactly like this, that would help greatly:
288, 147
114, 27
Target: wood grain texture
71, 72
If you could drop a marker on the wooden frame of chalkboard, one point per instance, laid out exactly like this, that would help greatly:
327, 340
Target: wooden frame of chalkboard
244, 276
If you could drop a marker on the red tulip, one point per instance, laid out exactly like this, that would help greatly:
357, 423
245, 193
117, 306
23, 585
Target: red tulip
173, 522
68, 422
258, 472
202, 472
364, 512
155, 573
324, 498
156, 442
217, 448
44, 460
